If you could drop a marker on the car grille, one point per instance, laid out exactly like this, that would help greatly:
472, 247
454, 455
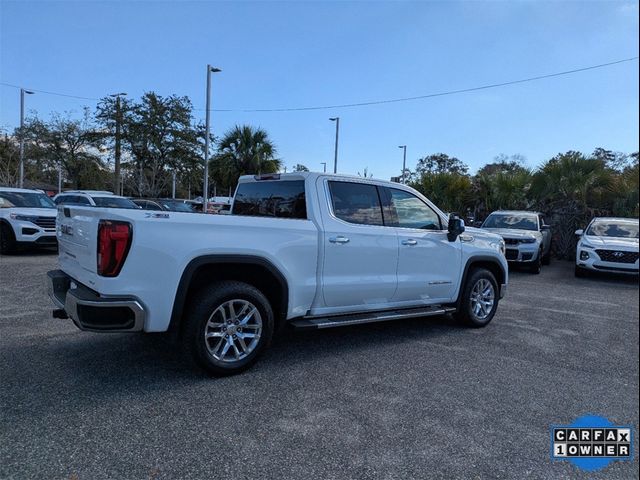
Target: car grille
511, 254
48, 223
511, 241
617, 256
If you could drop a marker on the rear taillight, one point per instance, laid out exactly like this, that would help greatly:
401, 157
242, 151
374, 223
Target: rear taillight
114, 240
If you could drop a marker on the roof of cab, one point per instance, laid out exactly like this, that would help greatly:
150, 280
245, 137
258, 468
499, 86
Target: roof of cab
88, 192
312, 176
19, 190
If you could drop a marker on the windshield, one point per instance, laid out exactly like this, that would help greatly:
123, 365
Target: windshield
25, 199
515, 221
612, 229
176, 206
114, 202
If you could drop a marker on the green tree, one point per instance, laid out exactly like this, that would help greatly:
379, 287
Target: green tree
300, 168
504, 164
440, 163
243, 150
74, 145
451, 192
572, 188
158, 139
9, 160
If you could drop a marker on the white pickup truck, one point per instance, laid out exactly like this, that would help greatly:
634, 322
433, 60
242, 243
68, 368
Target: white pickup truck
308, 249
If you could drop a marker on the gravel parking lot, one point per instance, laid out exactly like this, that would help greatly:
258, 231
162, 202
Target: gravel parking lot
424, 398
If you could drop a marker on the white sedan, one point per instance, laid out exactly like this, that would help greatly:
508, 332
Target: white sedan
608, 245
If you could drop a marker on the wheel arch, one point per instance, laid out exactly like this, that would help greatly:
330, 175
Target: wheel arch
482, 261
253, 270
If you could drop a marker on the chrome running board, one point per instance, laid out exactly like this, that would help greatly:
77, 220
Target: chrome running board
369, 317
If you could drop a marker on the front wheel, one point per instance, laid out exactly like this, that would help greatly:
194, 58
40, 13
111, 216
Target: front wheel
7, 239
536, 265
580, 272
480, 299
228, 326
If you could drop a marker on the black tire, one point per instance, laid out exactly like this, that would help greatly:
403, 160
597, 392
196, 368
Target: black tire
536, 265
7, 239
466, 313
204, 305
580, 272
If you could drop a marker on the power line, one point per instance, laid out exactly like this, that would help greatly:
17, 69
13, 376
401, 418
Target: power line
374, 102
439, 94
50, 93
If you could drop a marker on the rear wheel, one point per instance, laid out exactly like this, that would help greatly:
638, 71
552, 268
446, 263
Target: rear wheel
7, 239
228, 326
546, 259
480, 297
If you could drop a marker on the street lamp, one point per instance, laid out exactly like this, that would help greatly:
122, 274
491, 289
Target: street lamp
324, 166
404, 161
116, 180
22, 93
205, 196
335, 158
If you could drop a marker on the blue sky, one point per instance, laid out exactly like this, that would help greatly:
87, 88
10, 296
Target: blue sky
296, 54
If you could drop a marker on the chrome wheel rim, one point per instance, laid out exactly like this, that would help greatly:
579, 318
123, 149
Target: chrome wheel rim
483, 296
233, 330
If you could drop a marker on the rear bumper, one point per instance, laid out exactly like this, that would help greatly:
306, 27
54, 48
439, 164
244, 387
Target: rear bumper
92, 312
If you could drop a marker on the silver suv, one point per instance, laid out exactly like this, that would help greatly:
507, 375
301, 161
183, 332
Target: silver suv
526, 235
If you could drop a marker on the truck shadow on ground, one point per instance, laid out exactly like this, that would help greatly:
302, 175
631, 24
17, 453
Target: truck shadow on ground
120, 362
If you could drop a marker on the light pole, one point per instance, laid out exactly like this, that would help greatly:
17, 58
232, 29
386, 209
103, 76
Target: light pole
116, 180
205, 196
324, 166
173, 186
404, 160
335, 158
22, 93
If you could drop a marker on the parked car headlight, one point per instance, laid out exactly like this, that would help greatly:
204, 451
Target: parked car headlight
527, 240
586, 245
24, 218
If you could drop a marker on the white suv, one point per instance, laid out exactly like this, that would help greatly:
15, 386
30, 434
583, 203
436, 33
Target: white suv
608, 245
27, 217
94, 198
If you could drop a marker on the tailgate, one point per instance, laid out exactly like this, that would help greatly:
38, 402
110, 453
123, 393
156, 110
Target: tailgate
77, 234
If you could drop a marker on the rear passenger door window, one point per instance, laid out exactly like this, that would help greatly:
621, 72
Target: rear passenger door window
357, 203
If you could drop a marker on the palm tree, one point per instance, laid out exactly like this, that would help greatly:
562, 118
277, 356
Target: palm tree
506, 190
244, 150
573, 188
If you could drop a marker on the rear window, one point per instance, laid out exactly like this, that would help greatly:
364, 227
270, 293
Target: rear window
114, 202
281, 199
357, 203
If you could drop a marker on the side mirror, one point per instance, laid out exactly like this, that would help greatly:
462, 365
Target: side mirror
579, 232
456, 227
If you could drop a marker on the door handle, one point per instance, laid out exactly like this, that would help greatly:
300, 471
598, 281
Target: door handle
339, 239
410, 242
